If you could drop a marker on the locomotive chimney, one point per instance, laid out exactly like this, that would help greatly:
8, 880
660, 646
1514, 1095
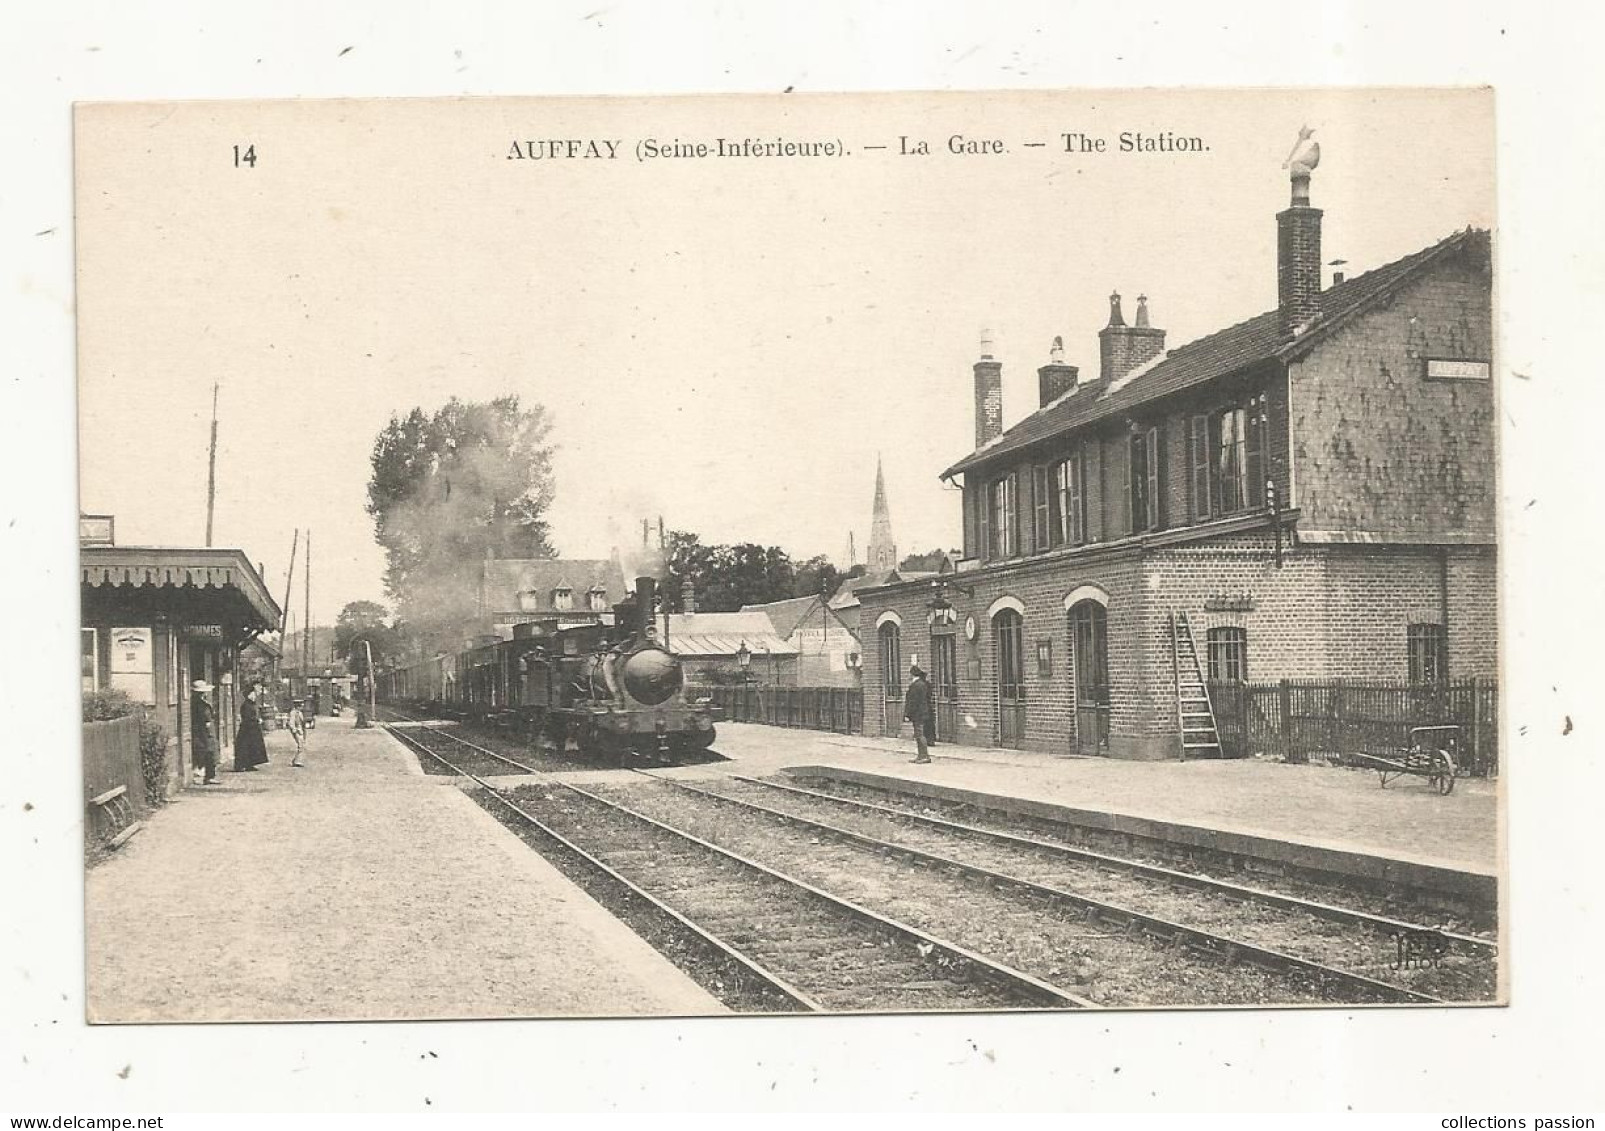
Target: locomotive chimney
646, 589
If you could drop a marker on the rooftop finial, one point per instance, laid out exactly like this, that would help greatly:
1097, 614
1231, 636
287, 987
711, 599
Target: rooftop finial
1115, 317
1301, 162
986, 343
1142, 311
1056, 354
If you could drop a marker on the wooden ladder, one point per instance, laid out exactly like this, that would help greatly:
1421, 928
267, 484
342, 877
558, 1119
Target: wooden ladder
1195, 715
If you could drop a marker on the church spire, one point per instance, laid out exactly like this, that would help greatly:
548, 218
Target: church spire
882, 549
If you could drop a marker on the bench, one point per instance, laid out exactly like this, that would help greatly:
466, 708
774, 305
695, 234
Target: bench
114, 815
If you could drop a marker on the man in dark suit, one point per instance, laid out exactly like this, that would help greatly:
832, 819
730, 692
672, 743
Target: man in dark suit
203, 739
917, 710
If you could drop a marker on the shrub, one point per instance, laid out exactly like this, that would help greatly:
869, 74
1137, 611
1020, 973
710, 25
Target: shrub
100, 706
107, 704
153, 761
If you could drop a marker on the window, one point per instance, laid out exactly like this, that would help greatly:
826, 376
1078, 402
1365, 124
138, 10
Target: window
1067, 519
1146, 481
1428, 653
1228, 655
1002, 517
563, 598
1040, 536
89, 661
598, 599
1226, 459
891, 661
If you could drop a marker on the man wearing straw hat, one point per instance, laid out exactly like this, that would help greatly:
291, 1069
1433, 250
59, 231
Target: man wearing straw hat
203, 745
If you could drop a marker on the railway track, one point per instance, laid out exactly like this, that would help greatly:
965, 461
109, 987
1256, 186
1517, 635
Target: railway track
1273, 929
1470, 921
793, 945
1269, 974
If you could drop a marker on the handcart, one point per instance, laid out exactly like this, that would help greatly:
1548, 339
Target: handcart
1431, 755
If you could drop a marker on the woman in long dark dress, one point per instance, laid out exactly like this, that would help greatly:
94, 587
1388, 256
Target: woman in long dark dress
250, 750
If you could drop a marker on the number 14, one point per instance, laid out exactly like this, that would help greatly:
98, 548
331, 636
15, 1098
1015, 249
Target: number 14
248, 157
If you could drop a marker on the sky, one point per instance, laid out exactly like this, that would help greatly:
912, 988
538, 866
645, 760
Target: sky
726, 342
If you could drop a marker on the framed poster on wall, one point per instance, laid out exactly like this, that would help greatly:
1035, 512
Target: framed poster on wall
132, 669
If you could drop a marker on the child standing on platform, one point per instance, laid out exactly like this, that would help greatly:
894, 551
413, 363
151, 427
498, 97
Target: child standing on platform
298, 731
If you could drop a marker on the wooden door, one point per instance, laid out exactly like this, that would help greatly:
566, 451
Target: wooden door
945, 686
1009, 633
1089, 649
891, 650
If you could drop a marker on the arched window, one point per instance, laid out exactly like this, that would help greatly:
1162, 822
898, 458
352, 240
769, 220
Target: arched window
891, 641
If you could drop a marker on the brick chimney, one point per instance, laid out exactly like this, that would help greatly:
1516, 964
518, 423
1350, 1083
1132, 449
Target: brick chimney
1055, 379
1122, 348
1298, 260
988, 394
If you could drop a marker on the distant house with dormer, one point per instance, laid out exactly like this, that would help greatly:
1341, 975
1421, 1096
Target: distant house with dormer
555, 592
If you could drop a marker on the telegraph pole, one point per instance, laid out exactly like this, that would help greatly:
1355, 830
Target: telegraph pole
295, 544
306, 623
211, 469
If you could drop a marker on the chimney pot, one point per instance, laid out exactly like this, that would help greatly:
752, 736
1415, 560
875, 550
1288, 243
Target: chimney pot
986, 343
1123, 348
1055, 379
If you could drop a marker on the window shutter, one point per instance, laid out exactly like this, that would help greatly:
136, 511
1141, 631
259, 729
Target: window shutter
1075, 522
1154, 497
1198, 458
1018, 515
1039, 502
1253, 454
1092, 500
1136, 482
983, 514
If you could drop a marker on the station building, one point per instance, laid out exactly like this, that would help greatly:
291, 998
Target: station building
1309, 494
155, 618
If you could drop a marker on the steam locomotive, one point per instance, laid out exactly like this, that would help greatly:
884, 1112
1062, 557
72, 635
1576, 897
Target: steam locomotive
595, 690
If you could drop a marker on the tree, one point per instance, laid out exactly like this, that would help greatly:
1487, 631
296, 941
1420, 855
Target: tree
928, 562
818, 575
364, 622
725, 577
448, 491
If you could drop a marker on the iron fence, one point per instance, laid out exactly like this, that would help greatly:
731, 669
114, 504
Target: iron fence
839, 709
1337, 719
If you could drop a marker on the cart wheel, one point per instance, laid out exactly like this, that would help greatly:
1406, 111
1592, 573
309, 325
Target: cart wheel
1443, 772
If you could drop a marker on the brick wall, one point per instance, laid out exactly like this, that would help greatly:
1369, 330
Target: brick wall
1382, 449
1473, 612
1328, 612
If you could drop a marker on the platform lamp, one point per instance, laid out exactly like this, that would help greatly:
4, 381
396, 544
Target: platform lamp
941, 608
744, 661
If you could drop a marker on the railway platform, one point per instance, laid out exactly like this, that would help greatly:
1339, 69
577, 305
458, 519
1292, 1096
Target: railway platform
353, 889
1323, 811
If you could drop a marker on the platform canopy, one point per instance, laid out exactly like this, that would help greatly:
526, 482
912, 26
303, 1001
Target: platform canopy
201, 584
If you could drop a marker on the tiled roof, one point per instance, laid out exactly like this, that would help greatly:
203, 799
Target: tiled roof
1226, 351
505, 578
